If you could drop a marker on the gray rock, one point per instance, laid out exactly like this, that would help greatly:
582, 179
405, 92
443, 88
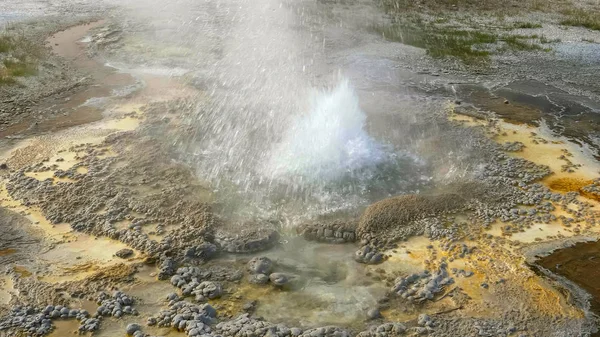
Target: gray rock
202, 251
278, 279
373, 314
172, 297
423, 286
114, 305
209, 310
124, 253
260, 265
258, 279
132, 328
249, 306
424, 320
208, 289
167, 268
368, 255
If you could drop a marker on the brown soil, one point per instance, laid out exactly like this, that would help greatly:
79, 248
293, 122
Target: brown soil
7, 251
580, 264
22, 271
82, 115
511, 112
67, 44
104, 80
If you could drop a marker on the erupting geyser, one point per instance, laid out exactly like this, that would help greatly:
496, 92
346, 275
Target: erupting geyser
265, 138
310, 162
328, 143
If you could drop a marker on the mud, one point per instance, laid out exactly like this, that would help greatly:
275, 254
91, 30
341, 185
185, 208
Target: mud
578, 264
34, 99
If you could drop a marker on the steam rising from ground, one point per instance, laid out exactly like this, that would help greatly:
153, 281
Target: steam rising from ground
263, 134
267, 137
311, 163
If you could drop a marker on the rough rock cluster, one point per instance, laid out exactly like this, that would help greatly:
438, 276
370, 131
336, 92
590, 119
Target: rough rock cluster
117, 305
190, 281
193, 319
248, 238
261, 268
368, 255
38, 322
423, 286
391, 219
513, 146
246, 326
384, 330
166, 268
330, 232
593, 189
29, 320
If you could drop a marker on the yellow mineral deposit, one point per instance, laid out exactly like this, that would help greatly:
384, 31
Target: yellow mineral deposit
33, 214
6, 289
572, 165
572, 169
81, 256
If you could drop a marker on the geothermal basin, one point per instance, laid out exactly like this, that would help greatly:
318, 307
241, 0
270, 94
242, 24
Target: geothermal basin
313, 168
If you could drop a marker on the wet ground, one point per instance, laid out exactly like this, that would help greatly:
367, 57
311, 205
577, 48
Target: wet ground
579, 264
532, 102
110, 173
